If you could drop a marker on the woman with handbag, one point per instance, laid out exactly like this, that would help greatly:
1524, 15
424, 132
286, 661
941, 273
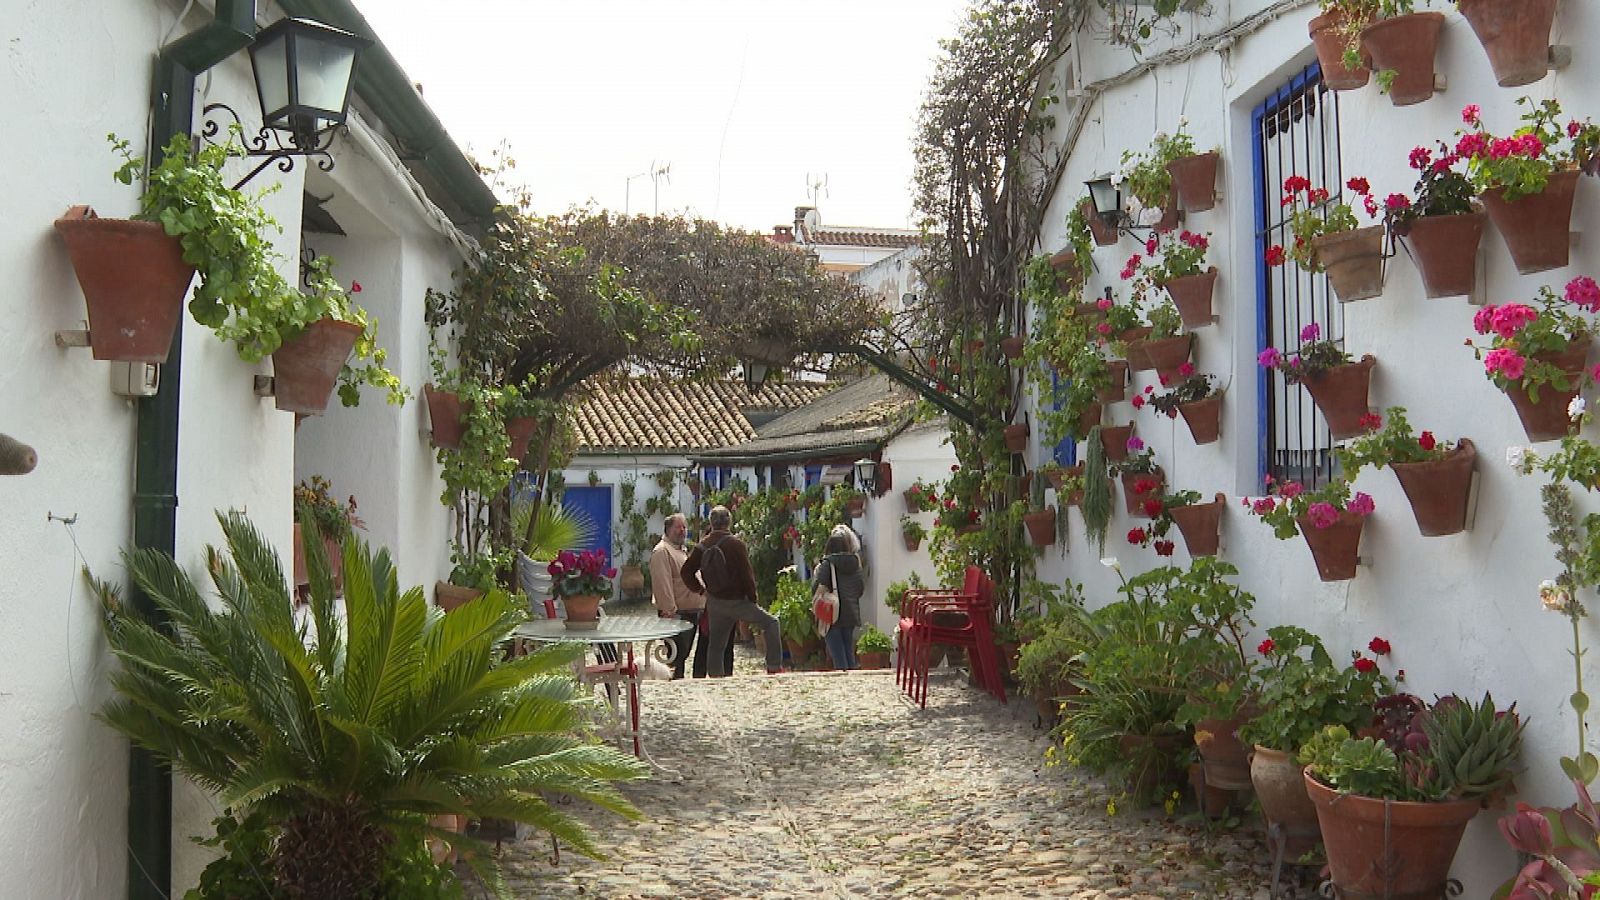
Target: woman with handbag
840, 572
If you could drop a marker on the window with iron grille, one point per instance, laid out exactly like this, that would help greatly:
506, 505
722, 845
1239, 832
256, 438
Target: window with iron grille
1295, 132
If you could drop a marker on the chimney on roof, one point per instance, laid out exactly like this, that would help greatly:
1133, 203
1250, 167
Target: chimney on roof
782, 234
806, 221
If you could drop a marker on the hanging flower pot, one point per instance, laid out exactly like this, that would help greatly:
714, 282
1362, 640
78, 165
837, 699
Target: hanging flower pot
1515, 34
1547, 419
1104, 235
1353, 261
583, 611
1389, 848
1133, 348
1341, 394
1328, 33
520, 430
1087, 419
1132, 500
856, 506
1118, 389
1280, 785
1438, 491
1011, 346
1089, 312
445, 415
1204, 418
1445, 249
133, 278
912, 543
1068, 273
1114, 440
306, 367
1536, 227
1405, 45
1192, 294
1169, 216
1335, 547
1168, 354
1194, 180
1041, 526
1201, 525
1017, 437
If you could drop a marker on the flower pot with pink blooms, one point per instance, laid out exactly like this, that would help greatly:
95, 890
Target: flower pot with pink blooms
1435, 475
1338, 384
1440, 223
1528, 181
1157, 505
1116, 440
1329, 518
1328, 238
1537, 354
1141, 477
1178, 265
582, 581
1196, 397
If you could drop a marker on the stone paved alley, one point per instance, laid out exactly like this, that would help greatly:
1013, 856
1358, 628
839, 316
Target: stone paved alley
830, 785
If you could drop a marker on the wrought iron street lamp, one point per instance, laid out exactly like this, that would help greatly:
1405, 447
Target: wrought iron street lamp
755, 375
867, 475
1107, 199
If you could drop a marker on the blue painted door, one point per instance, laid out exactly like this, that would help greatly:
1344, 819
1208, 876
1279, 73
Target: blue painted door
594, 502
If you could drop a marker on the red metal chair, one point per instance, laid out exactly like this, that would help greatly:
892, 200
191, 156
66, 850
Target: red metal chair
911, 604
951, 618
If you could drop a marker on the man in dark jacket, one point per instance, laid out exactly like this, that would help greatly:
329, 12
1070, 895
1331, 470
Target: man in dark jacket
729, 583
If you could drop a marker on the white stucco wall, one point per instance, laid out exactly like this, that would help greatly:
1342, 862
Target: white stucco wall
613, 469
1462, 612
919, 452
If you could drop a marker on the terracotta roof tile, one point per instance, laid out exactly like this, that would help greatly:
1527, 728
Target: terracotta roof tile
862, 238
648, 415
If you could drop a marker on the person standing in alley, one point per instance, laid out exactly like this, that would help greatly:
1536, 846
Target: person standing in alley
674, 599
840, 571
729, 583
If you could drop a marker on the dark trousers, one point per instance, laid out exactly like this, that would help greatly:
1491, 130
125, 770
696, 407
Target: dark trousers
697, 616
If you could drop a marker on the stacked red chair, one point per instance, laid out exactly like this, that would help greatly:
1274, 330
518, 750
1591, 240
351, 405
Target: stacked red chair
962, 618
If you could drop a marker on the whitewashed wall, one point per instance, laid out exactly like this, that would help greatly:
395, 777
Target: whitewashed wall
612, 470
1462, 612
919, 452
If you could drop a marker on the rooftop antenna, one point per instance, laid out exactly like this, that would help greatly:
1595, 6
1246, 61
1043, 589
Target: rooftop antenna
816, 187
627, 186
659, 172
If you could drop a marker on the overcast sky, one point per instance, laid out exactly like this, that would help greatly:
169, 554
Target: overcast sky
748, 100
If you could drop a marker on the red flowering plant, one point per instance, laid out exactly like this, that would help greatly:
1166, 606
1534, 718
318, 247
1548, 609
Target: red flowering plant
1288, 501
1517, 333
1442, 189
1174, 257
1390, 442
1315, 213
1300, 689
575, 574
1141, 460
1192, 386
922, 497
1315, 355
1158, 506
1522, 163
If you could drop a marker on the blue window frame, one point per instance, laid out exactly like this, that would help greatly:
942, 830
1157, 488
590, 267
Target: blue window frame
1065, 452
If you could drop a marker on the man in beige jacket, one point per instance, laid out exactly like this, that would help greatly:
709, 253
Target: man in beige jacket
674, 599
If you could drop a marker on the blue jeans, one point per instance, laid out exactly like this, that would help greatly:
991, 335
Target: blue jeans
841, 643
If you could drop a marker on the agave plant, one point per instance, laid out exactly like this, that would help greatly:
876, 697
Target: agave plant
343, 736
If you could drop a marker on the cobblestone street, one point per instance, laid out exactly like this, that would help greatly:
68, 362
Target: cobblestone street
830, 785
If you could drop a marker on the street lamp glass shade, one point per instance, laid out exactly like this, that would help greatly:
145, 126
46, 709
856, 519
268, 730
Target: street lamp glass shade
755, 375
303, 72
866, 474
1107, 198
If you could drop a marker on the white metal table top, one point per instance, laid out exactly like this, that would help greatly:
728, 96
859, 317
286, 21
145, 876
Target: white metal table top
612, 630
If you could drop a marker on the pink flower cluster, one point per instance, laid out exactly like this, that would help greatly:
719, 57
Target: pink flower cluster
1192, 240
1505, 320
1584, 292
1506, 361
1131, 267
589, 563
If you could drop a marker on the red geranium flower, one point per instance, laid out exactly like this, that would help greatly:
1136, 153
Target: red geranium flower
1136, 536
1364, 665
1152, 507
1426, 442
1165, 548
1265, 647
1371, 421
1379, 646
1275, 255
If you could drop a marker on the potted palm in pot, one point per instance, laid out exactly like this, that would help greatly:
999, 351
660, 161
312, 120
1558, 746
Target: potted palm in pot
1328, 238
1337, 382
1537, 355
1329, 518
1435, 475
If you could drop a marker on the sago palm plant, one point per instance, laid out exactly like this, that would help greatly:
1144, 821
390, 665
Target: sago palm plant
344, 735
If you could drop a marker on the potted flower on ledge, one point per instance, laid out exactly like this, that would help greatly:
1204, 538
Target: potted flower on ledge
1436, 475
1442, 225
1338, 383
1196, 398
1179, 272
912, 532
1537, 356
1328, 238
1141, 477
1329, 518
582, 581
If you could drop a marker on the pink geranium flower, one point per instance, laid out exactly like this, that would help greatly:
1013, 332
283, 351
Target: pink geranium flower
1322, 515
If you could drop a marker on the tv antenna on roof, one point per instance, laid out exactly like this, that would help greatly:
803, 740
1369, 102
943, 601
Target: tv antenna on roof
816, 187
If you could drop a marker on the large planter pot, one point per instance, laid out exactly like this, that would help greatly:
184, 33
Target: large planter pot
1132, 500
520, 431
1280, 785
1537, 227
1153, 764
1011, 347
1194, 180
1547, 419
1335, 548
1192, 294
1041, 526
1201, 525
1213, 801
1118, 390
1227, 763
1104, 235
1439, 491
1168, 354
1353, 261
1389, 848
1328, 34
630, 581
306, 367
1204, 418
1515, 34
1445, 249
444, 415
1017, 437
873, 659
1114, 439
133, 278
1341, 394
1405, 45
450, 596
583, 611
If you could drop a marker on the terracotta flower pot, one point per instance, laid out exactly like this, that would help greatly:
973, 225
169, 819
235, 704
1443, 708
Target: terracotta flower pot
1226, 761
1041, 526
1213, 801
1353, 261
1104, 235
1011, 347
856, 505
1445, 249
449, 596
1336, 547
1204, 418
873, 659
1134, 341
1516, 36
1167, 354
1193, 294
1341, 394
1438, 491
1547, 419
133, 278
1194, 180
1389, 848
1017, 437
1537, 227
1405, 45
1087, 419
1114, 439
583, 611
1118, 390
1328, 34
306, 367
1132, 500
445, 415
1201, 525
1089, 311
1280, 785
630, 581
520, 430
912, 543
1068, 273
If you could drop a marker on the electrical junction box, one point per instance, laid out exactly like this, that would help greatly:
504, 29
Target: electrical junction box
135, 379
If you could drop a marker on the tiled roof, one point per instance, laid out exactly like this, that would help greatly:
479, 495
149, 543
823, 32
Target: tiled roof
863, 238
650, 415
865, 412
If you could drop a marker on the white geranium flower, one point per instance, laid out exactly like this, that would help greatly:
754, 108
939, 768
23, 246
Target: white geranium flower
1576, 407
1516, 456
1554, 597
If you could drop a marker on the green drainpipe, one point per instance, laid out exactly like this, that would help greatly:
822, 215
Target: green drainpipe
155, 497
